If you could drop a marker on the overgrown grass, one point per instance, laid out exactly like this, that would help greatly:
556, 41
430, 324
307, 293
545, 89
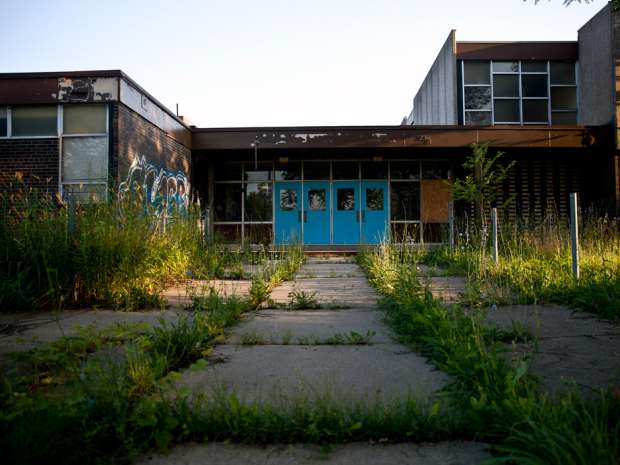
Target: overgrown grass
500, 401
116, 253
535, 265
100, 396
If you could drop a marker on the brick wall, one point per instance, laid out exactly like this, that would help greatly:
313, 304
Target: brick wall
36, 159
133, 136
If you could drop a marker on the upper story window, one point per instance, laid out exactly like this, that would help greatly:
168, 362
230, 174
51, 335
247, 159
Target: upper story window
34, 121
519, 92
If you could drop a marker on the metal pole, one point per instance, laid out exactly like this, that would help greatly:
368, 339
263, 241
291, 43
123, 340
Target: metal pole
451, 223
574, 233
494, 232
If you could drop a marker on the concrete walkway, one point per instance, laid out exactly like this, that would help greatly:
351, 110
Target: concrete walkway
571, 346
282, 354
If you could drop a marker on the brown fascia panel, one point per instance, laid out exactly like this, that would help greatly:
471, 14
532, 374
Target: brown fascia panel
397, 136
517, 51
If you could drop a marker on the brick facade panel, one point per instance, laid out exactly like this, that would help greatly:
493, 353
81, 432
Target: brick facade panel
36, 159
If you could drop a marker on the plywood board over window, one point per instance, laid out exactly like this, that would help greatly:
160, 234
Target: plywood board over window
435, 197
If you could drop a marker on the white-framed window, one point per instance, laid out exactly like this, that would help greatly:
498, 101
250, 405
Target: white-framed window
519, 92
29, 121
84, 151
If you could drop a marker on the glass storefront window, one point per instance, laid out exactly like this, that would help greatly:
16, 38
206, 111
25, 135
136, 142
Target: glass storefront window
228, 172
258, 233
374, 199
227, 202
316, 170
374, 170
435, 170
228, 233
405, 170
345, 170
258, 206
405, 201
288, 171
261, 172
476, 72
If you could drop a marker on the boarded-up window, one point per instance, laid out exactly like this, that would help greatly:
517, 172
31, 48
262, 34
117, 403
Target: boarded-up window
435, 197
85, 159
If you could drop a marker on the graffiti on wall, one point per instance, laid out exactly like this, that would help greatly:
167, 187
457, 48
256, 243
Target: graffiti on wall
163, 189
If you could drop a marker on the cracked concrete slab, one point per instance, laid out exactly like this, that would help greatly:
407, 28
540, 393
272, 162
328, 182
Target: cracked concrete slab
276, 325
571, 345
26, 331
442, 453
179, 295
266, 373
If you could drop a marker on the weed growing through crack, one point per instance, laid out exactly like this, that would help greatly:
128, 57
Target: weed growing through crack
501, 403
351, 338
303, 300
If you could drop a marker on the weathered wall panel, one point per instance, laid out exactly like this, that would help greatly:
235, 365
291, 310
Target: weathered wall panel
148, 109
144, 155
596, 79
436, 100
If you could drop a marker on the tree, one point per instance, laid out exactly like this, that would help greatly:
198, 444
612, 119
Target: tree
485, 175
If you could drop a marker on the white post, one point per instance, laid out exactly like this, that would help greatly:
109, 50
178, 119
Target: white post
574, 233
494, 232
451, 223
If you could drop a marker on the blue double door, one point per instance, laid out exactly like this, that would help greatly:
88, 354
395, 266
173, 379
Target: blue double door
324, 213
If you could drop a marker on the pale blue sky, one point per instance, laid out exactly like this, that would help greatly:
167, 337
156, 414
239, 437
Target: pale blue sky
270, 62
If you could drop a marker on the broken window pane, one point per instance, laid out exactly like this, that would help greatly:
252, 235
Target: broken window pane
505, 66
316, 200
476, 72
477, 98
346, 199
477, 118
84, 119
374, 199
288, 199
34, 121
506, 85
85, 159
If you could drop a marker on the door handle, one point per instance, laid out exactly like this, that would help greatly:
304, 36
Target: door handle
299, 216
363, 215
357, 216
305, 217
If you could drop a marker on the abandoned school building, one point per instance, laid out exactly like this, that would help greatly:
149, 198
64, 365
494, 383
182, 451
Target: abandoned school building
550, 106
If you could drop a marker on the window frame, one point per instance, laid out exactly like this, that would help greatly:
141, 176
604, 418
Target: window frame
520, 98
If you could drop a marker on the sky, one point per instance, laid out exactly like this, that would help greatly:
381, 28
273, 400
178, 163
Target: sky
270, 62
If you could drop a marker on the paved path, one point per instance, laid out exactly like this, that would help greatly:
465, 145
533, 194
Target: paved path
445, 453
571, 346
283, 354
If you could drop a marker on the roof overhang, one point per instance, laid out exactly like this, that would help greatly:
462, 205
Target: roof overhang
517, 51
325, 137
